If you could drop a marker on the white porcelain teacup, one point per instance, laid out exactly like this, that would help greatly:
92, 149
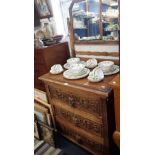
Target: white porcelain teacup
106, 65
77, 69
73, 60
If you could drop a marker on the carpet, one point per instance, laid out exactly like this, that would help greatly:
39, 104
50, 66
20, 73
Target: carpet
43, 148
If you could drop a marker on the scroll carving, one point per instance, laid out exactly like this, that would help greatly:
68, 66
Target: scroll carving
93, 106
80, 121
92, 145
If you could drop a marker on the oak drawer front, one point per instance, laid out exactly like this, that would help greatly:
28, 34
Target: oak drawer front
85, 142
79, 121
85, 101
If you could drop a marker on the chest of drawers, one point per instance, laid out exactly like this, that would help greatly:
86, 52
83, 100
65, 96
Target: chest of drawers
83, 111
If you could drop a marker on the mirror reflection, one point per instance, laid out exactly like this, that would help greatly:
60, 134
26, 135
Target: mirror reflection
86, 20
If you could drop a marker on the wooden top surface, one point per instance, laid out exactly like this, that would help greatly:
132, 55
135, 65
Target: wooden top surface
115, 82
102, 86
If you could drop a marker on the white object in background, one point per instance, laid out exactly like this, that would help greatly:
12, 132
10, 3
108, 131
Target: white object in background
91, 63
38, 43
96, 75
56, 69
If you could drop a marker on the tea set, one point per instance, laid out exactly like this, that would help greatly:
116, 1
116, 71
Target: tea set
77, 69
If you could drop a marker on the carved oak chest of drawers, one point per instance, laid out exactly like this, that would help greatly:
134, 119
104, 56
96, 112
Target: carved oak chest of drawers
83, 111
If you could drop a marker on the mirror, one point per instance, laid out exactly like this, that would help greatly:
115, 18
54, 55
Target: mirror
95, 20
110, 19
86, 20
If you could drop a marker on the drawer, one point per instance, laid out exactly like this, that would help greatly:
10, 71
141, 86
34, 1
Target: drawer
82, 100
82, 140
78, 121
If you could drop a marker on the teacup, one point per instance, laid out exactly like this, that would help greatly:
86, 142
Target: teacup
56, 69
106, 65
77, 69
73, 60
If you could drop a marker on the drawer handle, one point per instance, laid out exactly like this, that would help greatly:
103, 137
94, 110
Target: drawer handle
71, 101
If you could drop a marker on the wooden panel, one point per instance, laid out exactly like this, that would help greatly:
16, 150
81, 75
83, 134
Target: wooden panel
91, 143
79, 121
115, 54
88, 102
115, 83
46, 57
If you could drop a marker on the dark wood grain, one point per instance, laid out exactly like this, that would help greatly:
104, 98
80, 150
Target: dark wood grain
46, 57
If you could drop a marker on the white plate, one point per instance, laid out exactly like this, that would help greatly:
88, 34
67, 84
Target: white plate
111, 72
67, 65
68, 74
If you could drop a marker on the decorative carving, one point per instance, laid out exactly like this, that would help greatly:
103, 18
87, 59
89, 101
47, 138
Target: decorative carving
80, 121
93, 106
92, 145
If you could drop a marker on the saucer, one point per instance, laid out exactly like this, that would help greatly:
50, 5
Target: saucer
69, 75
68, 65
111, 72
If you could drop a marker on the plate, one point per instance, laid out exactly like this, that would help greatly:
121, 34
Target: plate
67, 65
111, 72
68, 74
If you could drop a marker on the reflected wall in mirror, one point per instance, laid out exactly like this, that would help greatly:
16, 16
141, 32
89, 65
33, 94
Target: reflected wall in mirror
86, 20
110, 19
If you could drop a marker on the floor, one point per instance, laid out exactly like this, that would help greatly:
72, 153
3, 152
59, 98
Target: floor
68, 147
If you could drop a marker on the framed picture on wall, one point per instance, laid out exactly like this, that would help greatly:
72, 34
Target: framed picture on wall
43, 8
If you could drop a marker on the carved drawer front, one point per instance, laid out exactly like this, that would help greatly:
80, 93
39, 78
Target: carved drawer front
89, 144
79, 121
83, 100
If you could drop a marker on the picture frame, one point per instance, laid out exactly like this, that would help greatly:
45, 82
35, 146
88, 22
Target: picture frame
48, 106
36, 129
43, 8
40, 112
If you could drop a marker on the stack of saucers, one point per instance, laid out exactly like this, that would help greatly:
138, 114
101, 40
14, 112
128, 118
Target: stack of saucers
76, 71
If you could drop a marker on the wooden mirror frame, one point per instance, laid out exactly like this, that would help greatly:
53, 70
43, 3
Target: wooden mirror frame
71, 29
